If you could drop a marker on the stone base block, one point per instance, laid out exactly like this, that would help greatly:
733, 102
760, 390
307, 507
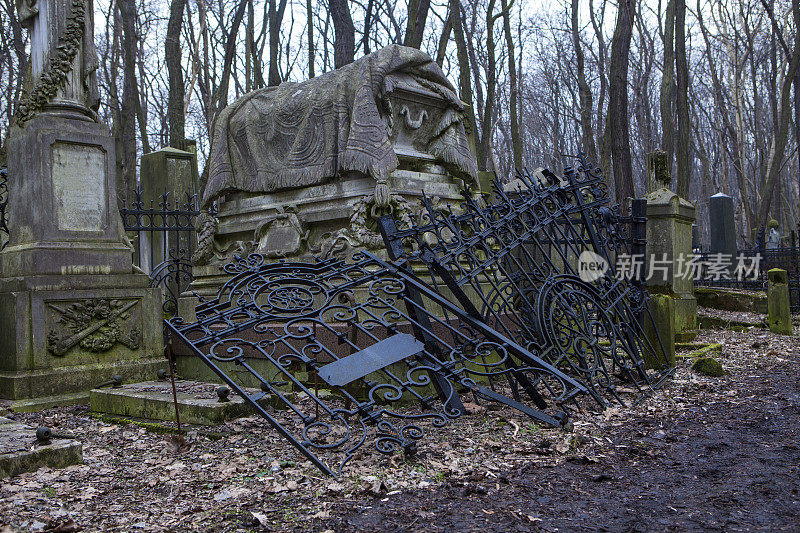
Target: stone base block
685, 312
39, 389
62, 335
153, 400
731, 300
37, 404
19, 451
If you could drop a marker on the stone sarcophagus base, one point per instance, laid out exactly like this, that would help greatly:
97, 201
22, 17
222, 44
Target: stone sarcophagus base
339, 216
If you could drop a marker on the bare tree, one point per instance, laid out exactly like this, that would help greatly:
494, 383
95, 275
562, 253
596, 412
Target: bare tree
172, 56
344, 46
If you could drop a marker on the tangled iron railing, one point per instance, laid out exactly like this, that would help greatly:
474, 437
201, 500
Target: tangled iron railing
491, 300
395, 354
517, 260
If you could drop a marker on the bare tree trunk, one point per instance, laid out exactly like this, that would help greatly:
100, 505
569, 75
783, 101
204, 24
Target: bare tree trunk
130, 96
172, 57
778, 146
275, 18
230, 52
367, 26
464, 79
668, 85
491, 87
344, 45
617, 134
584, 91
441, 50
311, 49
682, 154
415, 28
516, 140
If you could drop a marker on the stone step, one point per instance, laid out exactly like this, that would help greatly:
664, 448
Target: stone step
20, 452
198, 402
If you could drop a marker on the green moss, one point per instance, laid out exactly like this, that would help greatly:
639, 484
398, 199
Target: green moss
773, 224
699, 349
149, 426
708, 366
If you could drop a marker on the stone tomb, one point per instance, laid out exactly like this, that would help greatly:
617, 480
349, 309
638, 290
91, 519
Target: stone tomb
337, 215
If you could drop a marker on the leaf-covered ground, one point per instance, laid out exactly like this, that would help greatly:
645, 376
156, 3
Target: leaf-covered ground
701, 454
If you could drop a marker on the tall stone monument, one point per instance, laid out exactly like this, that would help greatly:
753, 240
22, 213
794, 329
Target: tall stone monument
669, 237
73, 311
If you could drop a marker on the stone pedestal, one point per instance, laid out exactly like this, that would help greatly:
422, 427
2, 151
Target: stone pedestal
168, 175
73, 312
669, 239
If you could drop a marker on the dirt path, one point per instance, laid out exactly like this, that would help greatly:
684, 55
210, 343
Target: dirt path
729, 464
702, 454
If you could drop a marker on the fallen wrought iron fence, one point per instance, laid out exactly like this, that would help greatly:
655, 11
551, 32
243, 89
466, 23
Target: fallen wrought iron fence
164, 239
394, 352
516, 259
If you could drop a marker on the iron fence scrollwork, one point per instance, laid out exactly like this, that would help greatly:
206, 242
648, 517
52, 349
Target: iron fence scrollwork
394, 353
164, 239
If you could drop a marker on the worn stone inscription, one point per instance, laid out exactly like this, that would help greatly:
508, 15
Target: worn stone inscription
79, 186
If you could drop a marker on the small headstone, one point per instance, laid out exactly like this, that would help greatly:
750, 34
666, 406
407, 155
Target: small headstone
779, 317
722, 226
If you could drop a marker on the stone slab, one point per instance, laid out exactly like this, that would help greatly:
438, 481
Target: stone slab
153, 400
20, 452
30, 405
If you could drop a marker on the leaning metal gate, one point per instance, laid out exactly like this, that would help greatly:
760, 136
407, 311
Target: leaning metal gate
515, 260
395, 353
506, 314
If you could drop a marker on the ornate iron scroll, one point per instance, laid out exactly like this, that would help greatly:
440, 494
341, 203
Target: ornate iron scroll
4, 233
393, 352
519, 260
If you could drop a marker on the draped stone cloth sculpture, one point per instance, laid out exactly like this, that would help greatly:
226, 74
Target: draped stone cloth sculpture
302, 134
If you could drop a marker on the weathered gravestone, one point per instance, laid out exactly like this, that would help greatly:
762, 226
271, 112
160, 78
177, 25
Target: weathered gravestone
722, 226
168, 175
73, 311
779, 318
669, 241
308, 168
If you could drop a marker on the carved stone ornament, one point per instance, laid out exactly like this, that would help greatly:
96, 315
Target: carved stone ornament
281, 235
94, 324
208, 250
361, 233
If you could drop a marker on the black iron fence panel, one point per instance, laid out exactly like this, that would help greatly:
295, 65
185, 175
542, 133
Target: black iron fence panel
395, 354
748, 270
539, 263
4, 232
164, 239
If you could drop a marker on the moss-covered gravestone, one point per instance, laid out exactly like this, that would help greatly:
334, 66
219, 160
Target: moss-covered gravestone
669, 240
73, 310
779, 318
661, 331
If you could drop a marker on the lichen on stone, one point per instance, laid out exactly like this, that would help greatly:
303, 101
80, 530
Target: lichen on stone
708, 366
